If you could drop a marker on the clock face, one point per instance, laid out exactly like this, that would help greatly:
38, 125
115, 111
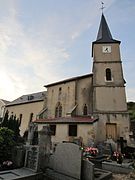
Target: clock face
106, 49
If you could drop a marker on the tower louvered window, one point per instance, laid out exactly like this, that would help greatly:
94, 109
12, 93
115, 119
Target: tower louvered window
85, 110
108, 74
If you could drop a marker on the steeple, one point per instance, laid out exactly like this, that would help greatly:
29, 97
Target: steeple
104, 34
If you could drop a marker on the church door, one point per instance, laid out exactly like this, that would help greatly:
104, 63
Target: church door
111, 130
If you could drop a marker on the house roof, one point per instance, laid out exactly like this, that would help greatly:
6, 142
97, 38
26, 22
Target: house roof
70, 79
5, 101
104, 34
68, 120
28, 98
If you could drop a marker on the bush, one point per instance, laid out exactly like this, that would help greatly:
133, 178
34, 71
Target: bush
6, 144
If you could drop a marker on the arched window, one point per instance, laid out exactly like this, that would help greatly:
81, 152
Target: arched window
85, 111
58, 110
108, 74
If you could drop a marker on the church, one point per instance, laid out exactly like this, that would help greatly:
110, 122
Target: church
91, 106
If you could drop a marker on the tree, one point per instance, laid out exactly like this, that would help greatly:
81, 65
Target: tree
5, 120
12, 123
131, 110
6, 143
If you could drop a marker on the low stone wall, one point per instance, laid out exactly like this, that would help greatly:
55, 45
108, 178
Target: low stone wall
124, 168
87, 170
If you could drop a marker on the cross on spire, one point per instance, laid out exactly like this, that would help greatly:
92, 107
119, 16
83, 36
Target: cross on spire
102, 8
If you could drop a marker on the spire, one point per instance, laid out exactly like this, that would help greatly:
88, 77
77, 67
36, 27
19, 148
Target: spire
104, 34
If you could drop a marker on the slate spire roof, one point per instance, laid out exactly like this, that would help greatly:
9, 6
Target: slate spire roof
104, 34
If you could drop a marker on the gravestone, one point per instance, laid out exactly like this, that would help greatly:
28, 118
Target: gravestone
18, 155
31, 132
104, 149
67, 160
32, 158
45, 146
113, 144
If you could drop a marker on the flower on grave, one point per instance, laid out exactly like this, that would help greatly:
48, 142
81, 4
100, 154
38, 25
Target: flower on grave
7, 163
91, 150
118, 157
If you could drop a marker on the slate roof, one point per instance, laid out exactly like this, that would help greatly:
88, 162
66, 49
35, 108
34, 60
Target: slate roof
28, 98
5, 101
104, 34
68, 120
70, 79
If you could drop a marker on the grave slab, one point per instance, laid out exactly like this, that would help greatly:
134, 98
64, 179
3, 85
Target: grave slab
124, 168
20, 174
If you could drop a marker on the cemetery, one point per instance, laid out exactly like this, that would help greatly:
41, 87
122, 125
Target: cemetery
68, 160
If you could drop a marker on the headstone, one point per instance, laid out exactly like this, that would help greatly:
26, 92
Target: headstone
113, 144
18, 155
67, 160
108, 149
31, 130
104, 149
45, 146
32, 158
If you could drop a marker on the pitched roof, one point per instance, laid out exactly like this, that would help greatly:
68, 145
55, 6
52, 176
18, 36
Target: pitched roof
28, 98
104, 34
70, 79
5, 101
68, 120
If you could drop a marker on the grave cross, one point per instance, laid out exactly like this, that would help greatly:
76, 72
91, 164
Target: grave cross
122, 143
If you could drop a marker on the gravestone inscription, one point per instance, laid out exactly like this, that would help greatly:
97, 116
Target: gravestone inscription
32, 158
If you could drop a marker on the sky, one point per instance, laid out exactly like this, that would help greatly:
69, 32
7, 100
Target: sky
45, 41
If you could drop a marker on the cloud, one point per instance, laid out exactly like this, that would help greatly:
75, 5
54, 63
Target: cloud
130, 94
32, 55
26, 66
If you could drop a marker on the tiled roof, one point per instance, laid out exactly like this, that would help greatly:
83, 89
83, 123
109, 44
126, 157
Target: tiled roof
70, 79
66, 120
28, 98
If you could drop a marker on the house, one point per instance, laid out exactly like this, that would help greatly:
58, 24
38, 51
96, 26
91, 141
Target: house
91, 106
26, 108
2, 107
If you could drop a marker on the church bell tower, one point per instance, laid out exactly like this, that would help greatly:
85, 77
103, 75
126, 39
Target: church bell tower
109, 99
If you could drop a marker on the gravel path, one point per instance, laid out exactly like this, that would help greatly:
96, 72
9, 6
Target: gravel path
130, 176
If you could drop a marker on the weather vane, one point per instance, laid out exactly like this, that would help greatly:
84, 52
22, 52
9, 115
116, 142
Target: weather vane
102, 8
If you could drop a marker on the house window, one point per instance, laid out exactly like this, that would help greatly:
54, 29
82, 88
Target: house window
85, 111
58, 110
53, 129
31, 117
72, 130
108, 74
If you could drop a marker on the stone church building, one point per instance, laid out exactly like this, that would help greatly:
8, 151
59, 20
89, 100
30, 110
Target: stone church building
92, 106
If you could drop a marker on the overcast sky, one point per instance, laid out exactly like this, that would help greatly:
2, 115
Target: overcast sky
43, 41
